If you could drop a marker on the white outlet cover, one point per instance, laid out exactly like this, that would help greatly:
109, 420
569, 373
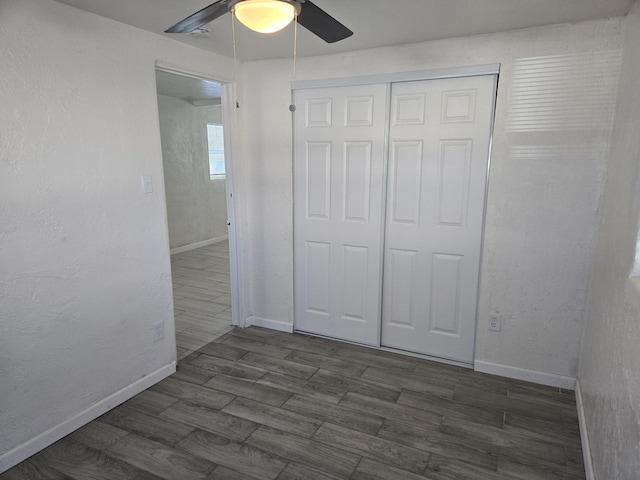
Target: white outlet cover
495, 322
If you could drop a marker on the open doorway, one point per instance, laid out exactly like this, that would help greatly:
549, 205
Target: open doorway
192, 131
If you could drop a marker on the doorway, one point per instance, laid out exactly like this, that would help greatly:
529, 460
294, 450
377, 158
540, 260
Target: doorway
197, 186
388, 233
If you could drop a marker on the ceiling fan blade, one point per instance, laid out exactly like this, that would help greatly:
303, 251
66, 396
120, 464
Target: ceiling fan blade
322, 24
200, 18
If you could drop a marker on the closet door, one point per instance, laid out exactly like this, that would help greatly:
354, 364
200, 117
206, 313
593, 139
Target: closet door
339, 180
438, 159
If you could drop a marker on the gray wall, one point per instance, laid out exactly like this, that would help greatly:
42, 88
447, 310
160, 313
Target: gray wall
610, 363
196, 205
547, 174
84, 254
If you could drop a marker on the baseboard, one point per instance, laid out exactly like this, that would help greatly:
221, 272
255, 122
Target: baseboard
33, 446
268, 323
533, 376
584, 435
193, 246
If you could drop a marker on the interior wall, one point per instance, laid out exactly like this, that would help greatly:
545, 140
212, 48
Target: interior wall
610, 361
84, 254
546, 178
196, 205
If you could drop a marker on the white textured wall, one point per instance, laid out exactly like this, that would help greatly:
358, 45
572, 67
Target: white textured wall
545, 185
84, 255
196, 205
610, 363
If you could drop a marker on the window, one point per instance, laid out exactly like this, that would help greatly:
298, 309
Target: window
215, 139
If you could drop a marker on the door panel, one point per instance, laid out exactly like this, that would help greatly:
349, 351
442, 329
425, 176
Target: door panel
438, 157
318, 181
339, 184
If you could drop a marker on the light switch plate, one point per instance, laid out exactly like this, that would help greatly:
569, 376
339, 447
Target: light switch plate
147, 184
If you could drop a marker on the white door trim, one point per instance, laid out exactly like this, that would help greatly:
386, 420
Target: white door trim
453, 72
229, 122
235, 255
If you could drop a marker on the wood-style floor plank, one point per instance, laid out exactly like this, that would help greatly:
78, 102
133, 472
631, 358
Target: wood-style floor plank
491, 401
273, 417
375, 448
353, 384
157, 459
372, 470
240, 457
161, 430
193, 393
257, 347
249, 389
223, 473
444, 468
446, 408
98, 435
150, 402
188, 373
325, 458
227, 367
216, 349
437, 443
232, 427
278, 365
296, 471
319, 391
353, 418
510, 444
80, 461
33, 469
520, 471
333, 364
387, 409
411, 381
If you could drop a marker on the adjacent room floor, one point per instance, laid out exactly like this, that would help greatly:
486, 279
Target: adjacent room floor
201, 296
260, 404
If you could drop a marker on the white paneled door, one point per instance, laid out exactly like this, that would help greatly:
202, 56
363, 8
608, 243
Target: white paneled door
339, 182
389, 208
438, 156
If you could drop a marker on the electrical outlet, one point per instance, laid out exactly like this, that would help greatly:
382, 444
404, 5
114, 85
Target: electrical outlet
158, 331
495, 322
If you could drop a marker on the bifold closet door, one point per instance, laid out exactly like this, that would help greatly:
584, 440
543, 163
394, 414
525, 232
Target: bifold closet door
339, 180
438, 157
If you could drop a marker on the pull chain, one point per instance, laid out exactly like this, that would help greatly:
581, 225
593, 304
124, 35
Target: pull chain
235, 56
295, 46
292, 107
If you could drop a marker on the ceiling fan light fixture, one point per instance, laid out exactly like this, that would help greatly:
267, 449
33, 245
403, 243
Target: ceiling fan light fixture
266, 16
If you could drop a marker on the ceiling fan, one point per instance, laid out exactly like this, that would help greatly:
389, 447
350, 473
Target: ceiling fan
267, 16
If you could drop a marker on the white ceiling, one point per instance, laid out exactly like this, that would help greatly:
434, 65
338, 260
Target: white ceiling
190, 89
375, 23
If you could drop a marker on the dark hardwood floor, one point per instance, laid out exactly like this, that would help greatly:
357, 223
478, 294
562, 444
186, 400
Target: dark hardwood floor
201, 296
259, 404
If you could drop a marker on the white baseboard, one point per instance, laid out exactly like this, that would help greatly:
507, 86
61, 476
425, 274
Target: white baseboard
33, 446
584, 435
193, 246
268, 323
533, 376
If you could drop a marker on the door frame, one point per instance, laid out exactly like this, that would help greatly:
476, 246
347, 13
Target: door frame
228, 121
434, 74
389, 79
